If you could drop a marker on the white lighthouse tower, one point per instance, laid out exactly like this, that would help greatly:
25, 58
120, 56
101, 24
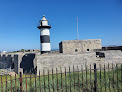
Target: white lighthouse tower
44, 35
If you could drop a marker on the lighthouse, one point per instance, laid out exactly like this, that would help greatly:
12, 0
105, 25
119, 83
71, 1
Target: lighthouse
44, 35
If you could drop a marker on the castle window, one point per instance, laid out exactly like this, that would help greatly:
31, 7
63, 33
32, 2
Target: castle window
87, 49
76, 50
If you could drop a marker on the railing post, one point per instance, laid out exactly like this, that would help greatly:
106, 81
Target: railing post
20, 82
11, 82
15, 84
1, 84
95, 77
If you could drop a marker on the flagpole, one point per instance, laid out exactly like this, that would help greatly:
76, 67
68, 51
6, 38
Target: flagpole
77, 28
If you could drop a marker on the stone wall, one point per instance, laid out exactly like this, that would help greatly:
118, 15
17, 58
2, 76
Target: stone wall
49, 61
71, 46
77, 59
63, 60
10, 61
19, 62
5, 61
28, 62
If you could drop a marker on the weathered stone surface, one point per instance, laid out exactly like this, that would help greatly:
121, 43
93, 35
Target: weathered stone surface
77, 59
71, 46
13, 60
57, 60
63, 60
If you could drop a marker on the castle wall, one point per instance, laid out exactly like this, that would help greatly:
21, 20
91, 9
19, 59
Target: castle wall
5, 61
19, 62
79, 45
57, 60
113, 54
62, 60
10, 61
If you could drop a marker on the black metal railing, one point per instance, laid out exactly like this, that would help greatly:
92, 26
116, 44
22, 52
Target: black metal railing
105, 78
39, 24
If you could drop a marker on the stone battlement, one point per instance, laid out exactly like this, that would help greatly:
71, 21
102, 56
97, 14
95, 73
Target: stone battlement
10, 61
5, 57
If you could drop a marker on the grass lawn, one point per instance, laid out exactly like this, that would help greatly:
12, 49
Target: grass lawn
108, 82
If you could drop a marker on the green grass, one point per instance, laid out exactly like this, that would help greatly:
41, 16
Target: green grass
84, 85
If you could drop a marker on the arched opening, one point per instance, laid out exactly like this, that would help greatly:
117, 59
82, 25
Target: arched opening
27, 63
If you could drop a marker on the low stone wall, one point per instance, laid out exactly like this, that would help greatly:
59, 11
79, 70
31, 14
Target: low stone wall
49, 61
45, 62
63, 60
113, 53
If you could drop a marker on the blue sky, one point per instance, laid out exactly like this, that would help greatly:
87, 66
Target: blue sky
98, 19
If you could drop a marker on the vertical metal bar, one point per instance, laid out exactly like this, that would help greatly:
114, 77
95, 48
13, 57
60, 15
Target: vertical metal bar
1, 84
11, 82
52, 79
109, 76
44, 79
90, 78
105, 77
74, 77
20, 82
35, 83
70, 78
65, 80
39, 81
61, 80
82, 78
113, 76
6, 84
26, 81
48, 81
15, 84
30, 82
57, 78
95, 77
86, 78
100, 80
78, 78
121, 71
117, 77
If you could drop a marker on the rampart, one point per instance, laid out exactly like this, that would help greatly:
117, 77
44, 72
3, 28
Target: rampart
10, 61
19, 62
63, 60
53, 61
31, 62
